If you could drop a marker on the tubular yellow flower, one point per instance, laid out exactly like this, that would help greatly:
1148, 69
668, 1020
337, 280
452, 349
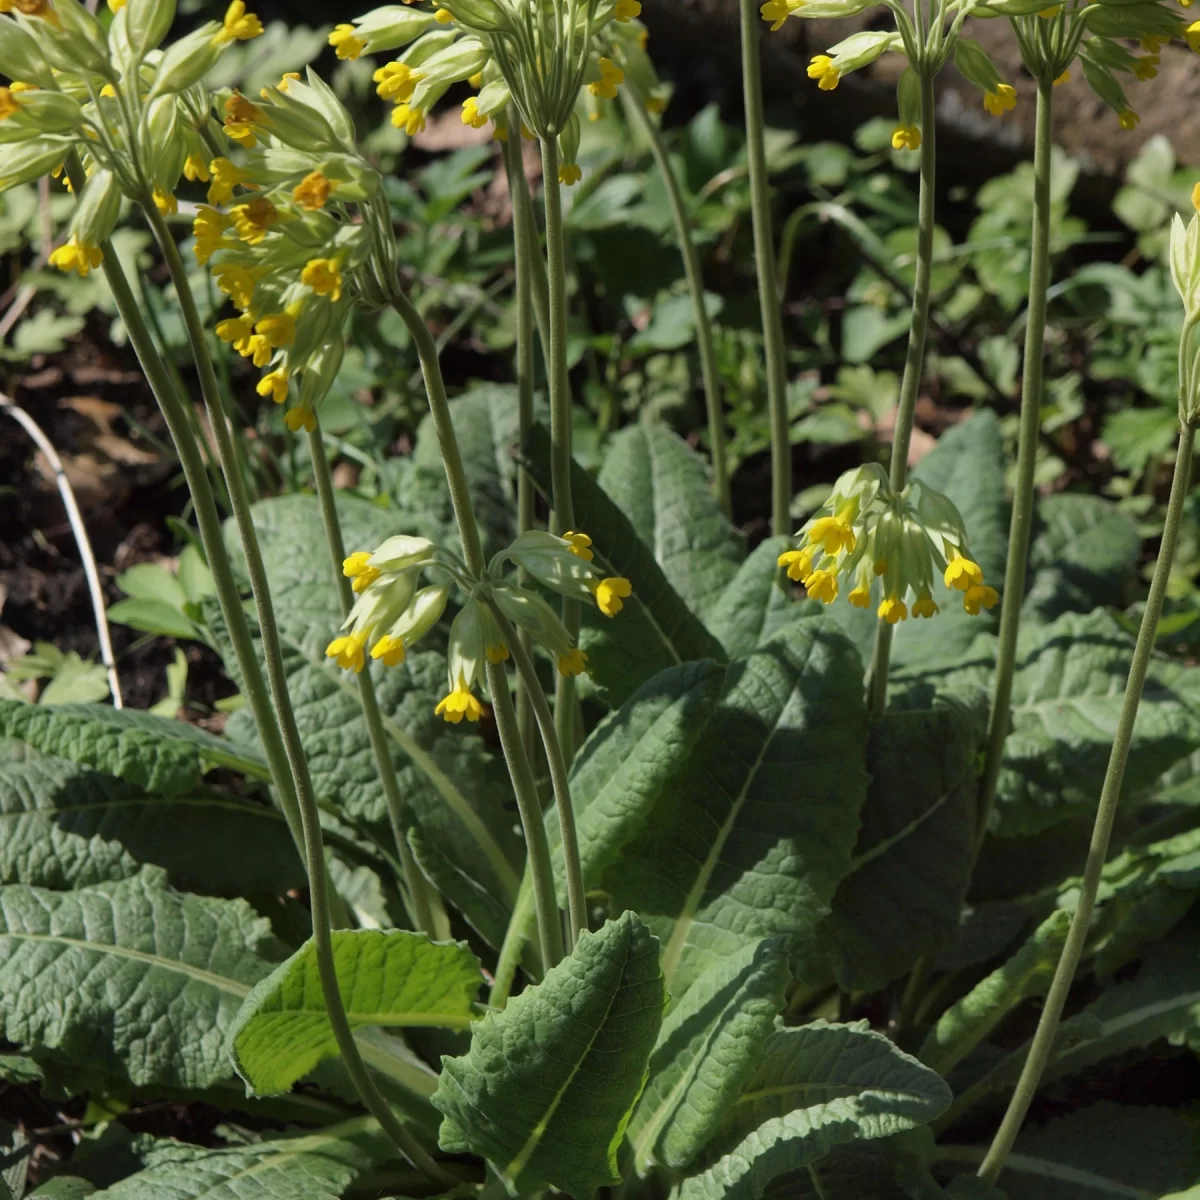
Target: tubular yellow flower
1192, 36
344, 40
252, 220
776, 11
238, 25
209, 229
358, 568
459, 703
411, 120
823, 586
979, 596
569, 174
471, 114
860, 597
1002, 100
324, 276
241, 117
236, 282
108, 92
627, 10
1152, 43
574, 662
115, 6
396, 82
892, 610
824, 72
256, 348
9, 104
443, 16
1146, 67
390, 649
74, 255
165, 202
924, 606
1065, 77
300, 418
798, 564
1128, 119
834, 534
348, 650
195, 167
225, 177
236, 331
906, 137
962, 573
581, 543
274, 385
497, 653
611, 78
611, 593
1196, 197
31, 8
312, 192
278, 328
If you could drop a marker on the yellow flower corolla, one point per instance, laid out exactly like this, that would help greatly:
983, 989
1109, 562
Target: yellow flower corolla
611, 593
569, 174
574, 662
1196, 197
823, 586
344, 39
443, 16
358, 568
581, 543
924, 606
824, 72
1192, 36
165, 202
962, 573
1065, 77
237, 331
496, 653
892, 610
9, 104
238, 25
390, 649
1002, 100
237, 282
195, 167
1128, 119
275, 385
471, 114
348, 649
411, 120
278, 328
906, 137
860, 597
74, 255
324, 276
1147, 67
241, 117
611, 78
253, 219
627, 10
777, 11
798, 564
115, 6
459, 703
834, 534
312, 192
396, 82
209, 228
300, 418
225, 177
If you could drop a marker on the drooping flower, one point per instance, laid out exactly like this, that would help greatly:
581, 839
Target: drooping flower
324, 276
76, 255
1002, 100
238, 25
313, 191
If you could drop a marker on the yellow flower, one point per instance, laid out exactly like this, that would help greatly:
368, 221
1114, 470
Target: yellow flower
209, 229
195, 166
358, 568
312, 192
252, 220
278, 328
274, 385
74, 255
611, 78
108, 91
344, 40
924, 606
31, 8
823, 586
824, 72
1146, 67
458, 704
610, 594
396, 82
165, 202
324, 276
236, 282
627, 10
860, 597
225, 177
892, 610
237, 331
238, 25
1152, 43
1002, 100
348, 650
798, 564
256, 348
497, 653
906, 137
977, 597
1192, 36
1128, 119
574, 662
390, 649
241, 116
116, 5
471, 114
411, 120
833, 534
1196, 197
9, 104
570, 174
297, 419
443, 16
962, 573
776, 11
580, 542
1065, 77
19, 85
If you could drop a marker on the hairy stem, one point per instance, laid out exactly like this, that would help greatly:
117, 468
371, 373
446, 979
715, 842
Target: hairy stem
769, 299
418, 893
1056, 998
914, 365
1027, 446
636, 107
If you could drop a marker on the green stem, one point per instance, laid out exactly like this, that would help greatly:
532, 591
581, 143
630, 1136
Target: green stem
1027, 446
636, 107
515, 938
417, 889
562, 518
914, 365
1110, 795
277, 681
572, 868
768, 275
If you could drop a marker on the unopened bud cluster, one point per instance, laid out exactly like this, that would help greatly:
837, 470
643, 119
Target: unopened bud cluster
392, 613
866, 532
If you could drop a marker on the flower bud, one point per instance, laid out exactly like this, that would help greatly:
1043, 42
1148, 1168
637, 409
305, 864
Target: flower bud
76, 41
861, 49
483, 16
551, 561
98, 210
421, 615
391, 27
973, 62
187, 61
1185, 262
320, 371
30, 160
147, 22
530, 612
402, 552
297, 124
468, 643
40, 113
20, 57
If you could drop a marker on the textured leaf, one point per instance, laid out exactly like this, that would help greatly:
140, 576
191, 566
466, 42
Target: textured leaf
656, 630
752, 838
756, 603
64, 1187
912, 862
1084, 556
662, 486
854, 1171
152, 752
145, 981
390, 978
708, 1048
63, 826
968, 466
547, 1087
317, 1166
817, 1086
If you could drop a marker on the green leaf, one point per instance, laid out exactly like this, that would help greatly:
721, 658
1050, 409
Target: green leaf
708, 1048
43, 333
315, 1166
656, 630
64, 1187
155, 977
662, 486
546, 1090
853, 1171
156, 754
751, 838
389, 978
15, 1151
969, 1020
64, 826
817, 1086
149, 581
912, 862
152, 616
968, 467
1084, 556
757, 602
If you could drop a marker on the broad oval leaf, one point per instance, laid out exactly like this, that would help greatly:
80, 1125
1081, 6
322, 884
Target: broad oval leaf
390, 978
756, 603
546, 1090
146, 980
817, 1086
